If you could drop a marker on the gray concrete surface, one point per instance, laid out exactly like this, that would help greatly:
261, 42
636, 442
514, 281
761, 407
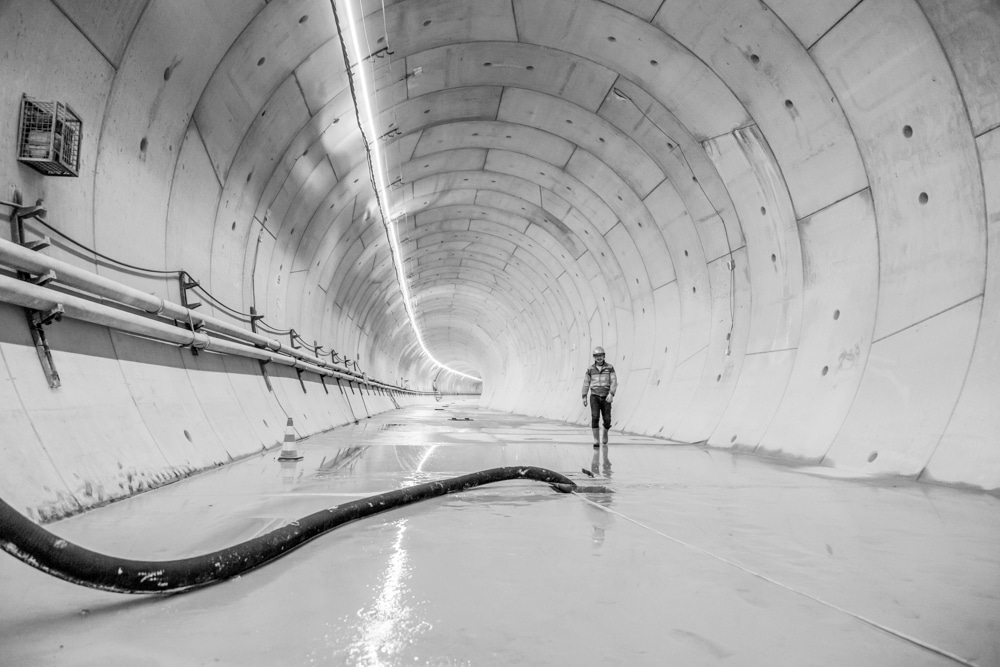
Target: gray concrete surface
699, 557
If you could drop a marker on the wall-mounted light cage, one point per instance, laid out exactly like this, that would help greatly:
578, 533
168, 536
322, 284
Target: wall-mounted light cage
49, 137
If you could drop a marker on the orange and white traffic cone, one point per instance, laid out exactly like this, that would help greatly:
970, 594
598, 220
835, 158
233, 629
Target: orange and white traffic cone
288, 451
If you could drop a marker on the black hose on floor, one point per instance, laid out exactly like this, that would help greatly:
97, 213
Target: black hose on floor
41, 549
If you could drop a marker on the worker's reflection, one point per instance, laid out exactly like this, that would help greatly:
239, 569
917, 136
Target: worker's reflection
601, 456
601, 519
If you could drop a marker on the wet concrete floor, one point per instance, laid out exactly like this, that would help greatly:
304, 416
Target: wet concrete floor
699, 557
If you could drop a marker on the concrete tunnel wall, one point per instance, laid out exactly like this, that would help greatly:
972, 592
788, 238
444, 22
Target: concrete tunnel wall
777, 217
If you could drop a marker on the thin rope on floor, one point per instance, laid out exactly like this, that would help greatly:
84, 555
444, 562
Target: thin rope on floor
868, 621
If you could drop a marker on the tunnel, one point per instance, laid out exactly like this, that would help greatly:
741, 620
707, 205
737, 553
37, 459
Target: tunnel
232, 225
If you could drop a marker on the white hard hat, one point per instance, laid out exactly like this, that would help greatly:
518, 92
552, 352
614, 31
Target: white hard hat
598, 350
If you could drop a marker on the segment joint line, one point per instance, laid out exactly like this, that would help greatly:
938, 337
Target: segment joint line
875, 624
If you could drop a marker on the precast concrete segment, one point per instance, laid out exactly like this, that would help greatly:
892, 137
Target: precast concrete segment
917, 131
85, 77
318, 77
580, 127
650, 264
280, 264
612, 38
97, 406
194, 193
305, 150
509, 64
29, 475
493, 135
261, 54
967, 451
146, 121
809, 20
472, 103
592, 212
912, 382
160, 386
760, 196
840, 290
968, 31
713, 374
418, 26
776, 80
918, 148
682, 159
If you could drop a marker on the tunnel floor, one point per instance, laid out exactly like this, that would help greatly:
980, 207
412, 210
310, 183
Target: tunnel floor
699, 557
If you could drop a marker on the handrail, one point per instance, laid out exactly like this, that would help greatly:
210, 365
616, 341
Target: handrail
246, 343
30, 261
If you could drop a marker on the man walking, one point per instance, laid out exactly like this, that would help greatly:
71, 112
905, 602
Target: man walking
602, 382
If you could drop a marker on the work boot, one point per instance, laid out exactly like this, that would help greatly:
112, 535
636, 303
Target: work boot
597, 437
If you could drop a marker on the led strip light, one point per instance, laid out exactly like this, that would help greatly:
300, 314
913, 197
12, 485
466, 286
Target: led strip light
382, 194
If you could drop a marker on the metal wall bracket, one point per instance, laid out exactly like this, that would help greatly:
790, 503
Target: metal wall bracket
41, 319
36, 319
186, 283
263, 371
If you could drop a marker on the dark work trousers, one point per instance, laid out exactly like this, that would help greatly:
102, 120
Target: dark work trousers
600, 407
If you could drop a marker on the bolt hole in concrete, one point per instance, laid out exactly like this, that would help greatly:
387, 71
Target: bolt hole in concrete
774, 258
826, 369
143, 144
907, 131
732, 439
836, 314
305, 18
763, 211
872, 456
922, 198
166, 73
718, 378
261, 62
788, 104
754, 58
188, 436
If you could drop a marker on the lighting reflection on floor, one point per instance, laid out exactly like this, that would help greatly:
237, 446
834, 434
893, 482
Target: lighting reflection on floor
699, 557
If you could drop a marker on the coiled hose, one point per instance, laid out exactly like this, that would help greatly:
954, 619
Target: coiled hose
45, 551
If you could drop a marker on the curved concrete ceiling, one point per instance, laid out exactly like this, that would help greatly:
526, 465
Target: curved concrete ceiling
774, 215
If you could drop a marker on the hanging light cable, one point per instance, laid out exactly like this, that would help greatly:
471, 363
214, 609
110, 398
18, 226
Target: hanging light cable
376, 170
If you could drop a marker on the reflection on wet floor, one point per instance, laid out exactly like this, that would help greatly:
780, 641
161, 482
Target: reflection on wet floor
679, 555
